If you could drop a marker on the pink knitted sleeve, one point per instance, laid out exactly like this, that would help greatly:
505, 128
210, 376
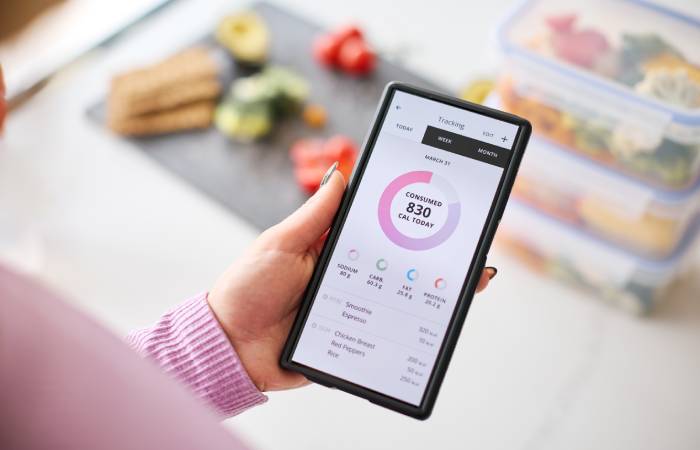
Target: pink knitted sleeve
189, 344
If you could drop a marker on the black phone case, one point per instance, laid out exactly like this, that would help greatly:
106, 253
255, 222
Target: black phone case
454, 327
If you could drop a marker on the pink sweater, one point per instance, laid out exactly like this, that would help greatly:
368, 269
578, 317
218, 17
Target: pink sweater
67, 383
189, 344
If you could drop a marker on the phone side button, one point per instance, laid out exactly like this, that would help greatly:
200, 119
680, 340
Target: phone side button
322, 383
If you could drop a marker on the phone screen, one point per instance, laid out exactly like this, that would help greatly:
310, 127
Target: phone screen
389, 291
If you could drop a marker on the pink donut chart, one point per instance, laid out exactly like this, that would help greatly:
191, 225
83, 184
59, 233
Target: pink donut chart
425, 243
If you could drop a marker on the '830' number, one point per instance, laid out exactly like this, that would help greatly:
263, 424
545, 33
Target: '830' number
418, 209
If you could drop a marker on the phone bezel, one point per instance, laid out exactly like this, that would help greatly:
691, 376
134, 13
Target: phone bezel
454, 327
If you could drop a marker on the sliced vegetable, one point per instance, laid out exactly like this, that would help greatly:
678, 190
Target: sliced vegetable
254, 103
312, 157
245, 35
326, 49
356, 57
315, 116
346, 49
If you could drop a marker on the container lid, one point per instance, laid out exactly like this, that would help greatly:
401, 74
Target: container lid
581, 244
632, 49
635, 193
575, 171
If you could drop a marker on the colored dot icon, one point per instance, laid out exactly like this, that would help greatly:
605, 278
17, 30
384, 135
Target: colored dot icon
440, 283
353, 255
412, 275
382, 264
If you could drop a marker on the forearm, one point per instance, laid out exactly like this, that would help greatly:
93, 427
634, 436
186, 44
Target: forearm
189, 344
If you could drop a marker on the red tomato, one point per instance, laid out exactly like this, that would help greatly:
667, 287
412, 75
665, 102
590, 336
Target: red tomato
309, 178
306, 151
326, 49
313, 157
345, 167
339, 148
348, 31
342, 149
356, 57
345, 48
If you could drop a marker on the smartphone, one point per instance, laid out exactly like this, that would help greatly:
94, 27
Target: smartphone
392, 286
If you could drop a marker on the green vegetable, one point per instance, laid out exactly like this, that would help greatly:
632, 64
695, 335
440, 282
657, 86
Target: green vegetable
244, 123
591, 136
671, 163
638, 48
254, 103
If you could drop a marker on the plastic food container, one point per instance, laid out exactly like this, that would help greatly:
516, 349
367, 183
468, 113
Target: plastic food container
647, 221
617, 81
555, 249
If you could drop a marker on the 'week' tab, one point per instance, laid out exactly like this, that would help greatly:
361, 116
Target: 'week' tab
465, 146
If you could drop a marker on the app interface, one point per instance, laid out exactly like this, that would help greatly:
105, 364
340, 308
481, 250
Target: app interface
402, 256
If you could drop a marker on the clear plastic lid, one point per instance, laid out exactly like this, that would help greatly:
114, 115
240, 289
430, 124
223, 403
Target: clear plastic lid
640, 52
630, 193
555, 249
630, 197
618, 262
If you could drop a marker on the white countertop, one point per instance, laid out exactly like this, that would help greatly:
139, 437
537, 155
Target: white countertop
538, 366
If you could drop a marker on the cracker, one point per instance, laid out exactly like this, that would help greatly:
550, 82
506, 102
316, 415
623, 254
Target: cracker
191, 65
187, 117
187, 77
173, 97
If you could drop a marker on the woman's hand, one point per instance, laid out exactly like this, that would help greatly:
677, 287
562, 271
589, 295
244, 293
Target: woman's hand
257, 298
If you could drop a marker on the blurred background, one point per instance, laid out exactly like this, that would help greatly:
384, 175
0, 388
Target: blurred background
149, 141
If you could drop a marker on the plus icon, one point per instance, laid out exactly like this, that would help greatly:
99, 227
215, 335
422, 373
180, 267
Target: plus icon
504, 138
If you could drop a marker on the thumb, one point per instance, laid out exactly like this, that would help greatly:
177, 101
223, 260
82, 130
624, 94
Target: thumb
305, 226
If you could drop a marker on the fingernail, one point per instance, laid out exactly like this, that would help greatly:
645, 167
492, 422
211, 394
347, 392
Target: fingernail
491, 272
329, 172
